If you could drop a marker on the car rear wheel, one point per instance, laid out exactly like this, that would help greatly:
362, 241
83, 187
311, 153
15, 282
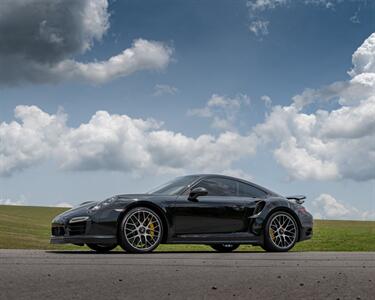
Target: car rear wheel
101, 248
141, 230
280, 232
225, 247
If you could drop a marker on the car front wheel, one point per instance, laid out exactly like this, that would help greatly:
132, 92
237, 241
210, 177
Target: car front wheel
141, 230
280, 232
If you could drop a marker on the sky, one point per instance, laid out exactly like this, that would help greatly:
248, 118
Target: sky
102, 97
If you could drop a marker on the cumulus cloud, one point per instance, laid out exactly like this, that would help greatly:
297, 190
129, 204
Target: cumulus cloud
39, 39
261, 5
28, 142
258, 8
364, 58
114, 142
265, 4
355, 18
223, 111
259, 27
7, 201
300, 164
319, 145
324, 3
329, 144
64, 205
267, 101
143, 55
164, 89
327, 207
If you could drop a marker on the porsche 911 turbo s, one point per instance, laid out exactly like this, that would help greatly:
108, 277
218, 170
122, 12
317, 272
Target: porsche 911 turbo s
215, 210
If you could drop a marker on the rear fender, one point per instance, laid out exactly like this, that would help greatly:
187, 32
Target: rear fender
272, 206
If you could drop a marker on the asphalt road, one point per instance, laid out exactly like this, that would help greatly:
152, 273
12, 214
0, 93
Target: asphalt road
27, 274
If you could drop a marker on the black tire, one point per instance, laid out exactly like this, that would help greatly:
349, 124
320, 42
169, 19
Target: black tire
280, 244
102, 248
136, 245
225, 247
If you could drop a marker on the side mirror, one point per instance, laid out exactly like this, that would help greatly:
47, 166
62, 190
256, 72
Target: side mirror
196, 192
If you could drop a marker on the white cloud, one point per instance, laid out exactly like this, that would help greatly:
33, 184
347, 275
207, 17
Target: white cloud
223, 111
143, 55
261, 5
300, 164
355, 18
324, 3
265, 4
364, 58
114, 142
238, 173
327, 207
258, 8
205, 153
11, 202
26, 143
259, 27
329, 144
40, 38
164, 89
267, 101
319, 145
64, 204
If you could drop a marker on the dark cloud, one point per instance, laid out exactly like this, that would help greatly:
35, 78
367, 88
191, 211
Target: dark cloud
39, 39
44, 31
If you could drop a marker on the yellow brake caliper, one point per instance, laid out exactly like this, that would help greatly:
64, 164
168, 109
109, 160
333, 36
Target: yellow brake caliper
272, 234
151, 227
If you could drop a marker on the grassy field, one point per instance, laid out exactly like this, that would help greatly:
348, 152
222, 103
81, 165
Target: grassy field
26, 227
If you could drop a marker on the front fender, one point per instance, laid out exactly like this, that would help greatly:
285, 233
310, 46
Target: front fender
106, 219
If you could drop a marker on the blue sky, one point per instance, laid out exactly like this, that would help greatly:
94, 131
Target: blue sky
200, 71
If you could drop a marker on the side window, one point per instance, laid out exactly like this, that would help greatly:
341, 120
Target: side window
246, 190
219, 186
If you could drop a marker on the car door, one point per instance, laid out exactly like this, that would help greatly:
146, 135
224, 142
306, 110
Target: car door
221, 211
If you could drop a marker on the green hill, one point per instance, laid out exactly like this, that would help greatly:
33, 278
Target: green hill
27, 227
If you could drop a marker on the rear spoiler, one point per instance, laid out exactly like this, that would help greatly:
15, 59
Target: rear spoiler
298, 198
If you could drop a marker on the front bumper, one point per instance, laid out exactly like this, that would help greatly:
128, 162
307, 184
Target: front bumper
81, 229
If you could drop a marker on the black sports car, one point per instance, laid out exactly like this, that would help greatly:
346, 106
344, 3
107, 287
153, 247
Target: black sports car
216, 210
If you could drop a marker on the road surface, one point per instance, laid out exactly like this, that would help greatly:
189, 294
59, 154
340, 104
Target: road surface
30, 274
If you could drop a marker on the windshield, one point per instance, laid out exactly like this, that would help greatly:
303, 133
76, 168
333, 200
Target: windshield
175, 186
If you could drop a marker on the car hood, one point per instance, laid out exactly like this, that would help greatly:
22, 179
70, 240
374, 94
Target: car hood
144, 197
140, 196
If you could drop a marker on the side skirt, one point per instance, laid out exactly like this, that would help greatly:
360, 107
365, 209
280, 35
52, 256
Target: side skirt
240, 238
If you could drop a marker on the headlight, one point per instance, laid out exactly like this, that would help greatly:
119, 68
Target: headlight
103, 204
